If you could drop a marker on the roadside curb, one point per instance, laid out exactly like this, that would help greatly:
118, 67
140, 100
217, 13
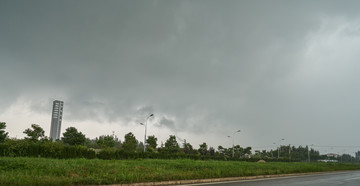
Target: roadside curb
212, 180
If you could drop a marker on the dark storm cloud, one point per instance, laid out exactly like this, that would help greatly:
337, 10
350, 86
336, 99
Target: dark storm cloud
168, 123
209, 64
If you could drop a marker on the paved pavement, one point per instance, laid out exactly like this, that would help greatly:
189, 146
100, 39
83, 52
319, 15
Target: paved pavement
348, 178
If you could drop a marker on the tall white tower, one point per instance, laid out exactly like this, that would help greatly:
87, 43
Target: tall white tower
56, 118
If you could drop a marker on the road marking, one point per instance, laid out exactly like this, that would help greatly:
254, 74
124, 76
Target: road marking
356, 178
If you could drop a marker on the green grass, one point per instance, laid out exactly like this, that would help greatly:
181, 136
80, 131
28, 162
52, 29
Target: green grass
41, 171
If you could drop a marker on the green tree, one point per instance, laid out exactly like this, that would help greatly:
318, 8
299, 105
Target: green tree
140, 146
105, 141
130, 143
346, 158
171, 145
211, 151
73, 137
118, 143
247, 150
238, 151
35, 133
188, 149
3, 134
221, 150
203, 149
151, 143
91, 143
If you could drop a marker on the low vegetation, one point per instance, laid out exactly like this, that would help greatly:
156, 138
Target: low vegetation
37, 160
74, 144
42, 171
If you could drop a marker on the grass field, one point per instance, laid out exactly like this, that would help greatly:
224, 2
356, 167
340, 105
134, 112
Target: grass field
41, 171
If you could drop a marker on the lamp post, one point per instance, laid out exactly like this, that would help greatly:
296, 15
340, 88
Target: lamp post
272, 155
280, 147
233, 141
309, 153
151, 115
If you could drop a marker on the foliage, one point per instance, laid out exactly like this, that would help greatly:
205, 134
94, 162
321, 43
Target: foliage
91, 143
221, 150
140, 147
50, 149
151, 143
130, 143
211, 151
292, 153
73, 137
34, 133
107, 154
45, 148
3, 134
131, 149
171, 145
188, 149
105, 141
203, 149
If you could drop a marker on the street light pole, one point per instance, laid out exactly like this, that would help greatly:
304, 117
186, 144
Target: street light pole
279, 147
151, 115
278, 151
233, 142
309, 153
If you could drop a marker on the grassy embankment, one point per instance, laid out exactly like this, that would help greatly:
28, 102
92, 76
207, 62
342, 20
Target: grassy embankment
41, 171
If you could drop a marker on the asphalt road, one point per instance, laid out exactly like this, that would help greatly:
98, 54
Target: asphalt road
335, 178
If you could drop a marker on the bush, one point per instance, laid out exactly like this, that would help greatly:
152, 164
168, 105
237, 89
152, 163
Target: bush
48, 149
107, 154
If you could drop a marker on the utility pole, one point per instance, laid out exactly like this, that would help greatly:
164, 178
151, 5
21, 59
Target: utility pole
151, 115
308, 154
233, 141
279, 152
280, 147
289, 153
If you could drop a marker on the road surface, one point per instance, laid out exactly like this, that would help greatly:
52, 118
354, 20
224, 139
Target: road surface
349, 178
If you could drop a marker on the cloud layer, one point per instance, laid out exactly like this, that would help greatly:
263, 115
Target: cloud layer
277, 69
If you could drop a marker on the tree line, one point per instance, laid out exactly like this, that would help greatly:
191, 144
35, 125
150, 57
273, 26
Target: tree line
74, 144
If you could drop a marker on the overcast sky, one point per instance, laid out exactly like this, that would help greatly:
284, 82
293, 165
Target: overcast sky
205, 69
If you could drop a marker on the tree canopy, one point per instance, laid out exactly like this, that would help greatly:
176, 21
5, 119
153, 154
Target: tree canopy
132, 148
151, 143
3, 134
130, 143
203, 149
188, 148
106, 141
34, 133
171, 145
73, 137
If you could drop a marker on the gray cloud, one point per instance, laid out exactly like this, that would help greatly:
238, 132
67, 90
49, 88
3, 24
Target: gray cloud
168, 123
212, 67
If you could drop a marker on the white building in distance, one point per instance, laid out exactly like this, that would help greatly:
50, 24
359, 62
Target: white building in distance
56, 118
